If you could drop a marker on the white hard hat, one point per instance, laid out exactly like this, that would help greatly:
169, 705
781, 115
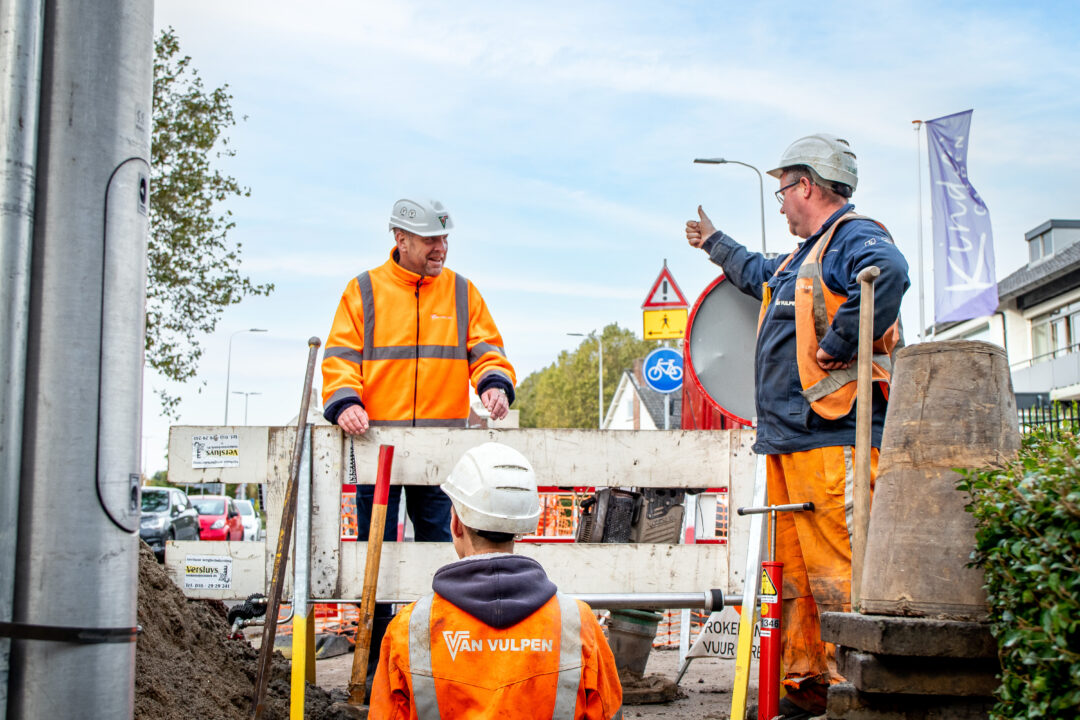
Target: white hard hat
827, 155
426, 218
493, 487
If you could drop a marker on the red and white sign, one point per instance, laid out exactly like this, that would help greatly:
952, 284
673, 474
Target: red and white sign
665, 293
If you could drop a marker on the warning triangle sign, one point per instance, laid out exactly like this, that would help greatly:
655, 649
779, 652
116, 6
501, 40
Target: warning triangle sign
767, 587
665, 293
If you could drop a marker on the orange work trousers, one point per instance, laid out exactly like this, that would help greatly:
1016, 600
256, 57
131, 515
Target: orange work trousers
815, 548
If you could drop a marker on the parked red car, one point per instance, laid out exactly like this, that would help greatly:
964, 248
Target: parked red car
218, 518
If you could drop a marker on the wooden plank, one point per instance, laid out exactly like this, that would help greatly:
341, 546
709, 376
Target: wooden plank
252, 457
279, 456
740, 494
407, 568
565, 457
325, 511
247, 575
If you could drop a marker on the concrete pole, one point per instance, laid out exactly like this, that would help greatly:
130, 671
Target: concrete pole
77, 558
20, 76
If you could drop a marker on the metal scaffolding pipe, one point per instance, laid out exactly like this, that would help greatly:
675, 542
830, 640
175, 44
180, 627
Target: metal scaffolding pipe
709, 600
20, 74
77, 558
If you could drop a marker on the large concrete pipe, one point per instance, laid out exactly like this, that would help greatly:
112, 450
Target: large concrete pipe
77, 556
20, 71
951, 406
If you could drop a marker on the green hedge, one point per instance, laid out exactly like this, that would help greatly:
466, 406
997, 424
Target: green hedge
1028, 542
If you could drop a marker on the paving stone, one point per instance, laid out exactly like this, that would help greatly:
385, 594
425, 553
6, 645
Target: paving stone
872, 673
847, 703
920, 637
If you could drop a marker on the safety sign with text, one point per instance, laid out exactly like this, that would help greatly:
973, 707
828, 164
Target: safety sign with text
719, 637
215, 451
207, 572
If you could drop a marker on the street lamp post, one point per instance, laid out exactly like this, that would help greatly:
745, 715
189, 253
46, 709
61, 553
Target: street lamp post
761, 187
600, 375
228, 367
246, 396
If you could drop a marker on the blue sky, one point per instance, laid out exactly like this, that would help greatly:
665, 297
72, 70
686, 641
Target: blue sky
560, 135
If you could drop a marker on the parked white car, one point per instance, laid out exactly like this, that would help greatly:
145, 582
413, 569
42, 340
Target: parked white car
251, 520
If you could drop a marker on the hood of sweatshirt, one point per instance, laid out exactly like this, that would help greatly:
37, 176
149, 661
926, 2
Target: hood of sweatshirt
498, 589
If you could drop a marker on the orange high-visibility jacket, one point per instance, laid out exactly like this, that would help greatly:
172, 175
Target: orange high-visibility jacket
406, 347
438, 661
831, 393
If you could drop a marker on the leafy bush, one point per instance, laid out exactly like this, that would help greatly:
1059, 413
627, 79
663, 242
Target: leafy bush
1028, 542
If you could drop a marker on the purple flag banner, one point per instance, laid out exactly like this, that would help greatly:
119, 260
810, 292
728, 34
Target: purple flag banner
965, 286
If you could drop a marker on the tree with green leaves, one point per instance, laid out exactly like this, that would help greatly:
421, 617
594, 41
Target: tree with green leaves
193, 268
564, 394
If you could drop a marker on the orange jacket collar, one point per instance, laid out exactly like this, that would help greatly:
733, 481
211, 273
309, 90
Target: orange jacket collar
406, 277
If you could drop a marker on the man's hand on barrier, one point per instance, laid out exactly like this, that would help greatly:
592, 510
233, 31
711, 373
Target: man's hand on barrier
494, 399
353, 420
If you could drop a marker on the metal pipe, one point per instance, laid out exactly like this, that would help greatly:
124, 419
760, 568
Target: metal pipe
82, 417
708, 600
20, 76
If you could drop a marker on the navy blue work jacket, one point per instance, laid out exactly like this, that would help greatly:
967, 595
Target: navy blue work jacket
786, 424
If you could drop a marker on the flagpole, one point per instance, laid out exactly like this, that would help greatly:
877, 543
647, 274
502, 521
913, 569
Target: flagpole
918, 175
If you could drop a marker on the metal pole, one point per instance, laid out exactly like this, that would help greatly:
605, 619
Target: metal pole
709, 600
82, 418
600, 403
20, 75
228, 368
918, 215
761, 188
303, 640
281, 557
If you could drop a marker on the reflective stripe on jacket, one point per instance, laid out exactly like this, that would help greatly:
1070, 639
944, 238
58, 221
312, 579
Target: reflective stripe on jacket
437, 661
407, 346
831, 393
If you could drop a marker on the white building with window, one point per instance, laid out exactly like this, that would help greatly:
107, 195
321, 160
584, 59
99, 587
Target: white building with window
1038, 316
636, 406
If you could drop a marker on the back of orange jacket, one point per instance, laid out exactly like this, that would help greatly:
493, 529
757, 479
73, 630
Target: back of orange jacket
407, 346
536, 653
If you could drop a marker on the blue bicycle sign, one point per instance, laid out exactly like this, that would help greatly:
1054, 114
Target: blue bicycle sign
663, 370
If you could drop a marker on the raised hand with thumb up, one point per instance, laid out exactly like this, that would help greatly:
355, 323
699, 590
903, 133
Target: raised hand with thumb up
697, 231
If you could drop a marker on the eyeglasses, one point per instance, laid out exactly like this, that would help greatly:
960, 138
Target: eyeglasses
781, 191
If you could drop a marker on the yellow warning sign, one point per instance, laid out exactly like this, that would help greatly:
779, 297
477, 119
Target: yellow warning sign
666, 324
768, 590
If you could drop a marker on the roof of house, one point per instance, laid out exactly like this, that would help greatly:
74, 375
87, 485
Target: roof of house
654, 403
1030, 276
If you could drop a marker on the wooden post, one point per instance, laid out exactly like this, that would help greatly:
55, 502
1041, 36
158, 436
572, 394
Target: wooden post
358, 678
863, 424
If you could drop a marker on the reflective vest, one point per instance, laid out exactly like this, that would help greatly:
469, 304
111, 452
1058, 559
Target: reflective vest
831, 393
549, 665
408, 346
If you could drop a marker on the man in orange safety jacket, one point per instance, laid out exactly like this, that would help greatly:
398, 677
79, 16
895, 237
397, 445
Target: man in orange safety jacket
495, 638
804, 374
408, 339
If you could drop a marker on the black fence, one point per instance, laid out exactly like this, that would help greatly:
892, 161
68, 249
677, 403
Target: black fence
1055, 418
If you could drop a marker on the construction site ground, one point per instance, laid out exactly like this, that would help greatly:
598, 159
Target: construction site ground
186, 667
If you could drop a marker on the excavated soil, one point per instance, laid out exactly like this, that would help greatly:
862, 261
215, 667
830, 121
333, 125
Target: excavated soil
185, 667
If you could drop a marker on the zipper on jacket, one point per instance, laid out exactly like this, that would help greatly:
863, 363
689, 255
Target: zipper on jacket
416, 370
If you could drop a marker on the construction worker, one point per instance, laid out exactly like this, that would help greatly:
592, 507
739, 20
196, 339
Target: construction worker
408, 339
496, 638
804, 372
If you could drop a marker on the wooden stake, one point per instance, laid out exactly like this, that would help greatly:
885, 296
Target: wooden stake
863, 425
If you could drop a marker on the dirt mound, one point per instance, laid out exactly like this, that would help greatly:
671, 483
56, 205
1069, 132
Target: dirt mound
186, 668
